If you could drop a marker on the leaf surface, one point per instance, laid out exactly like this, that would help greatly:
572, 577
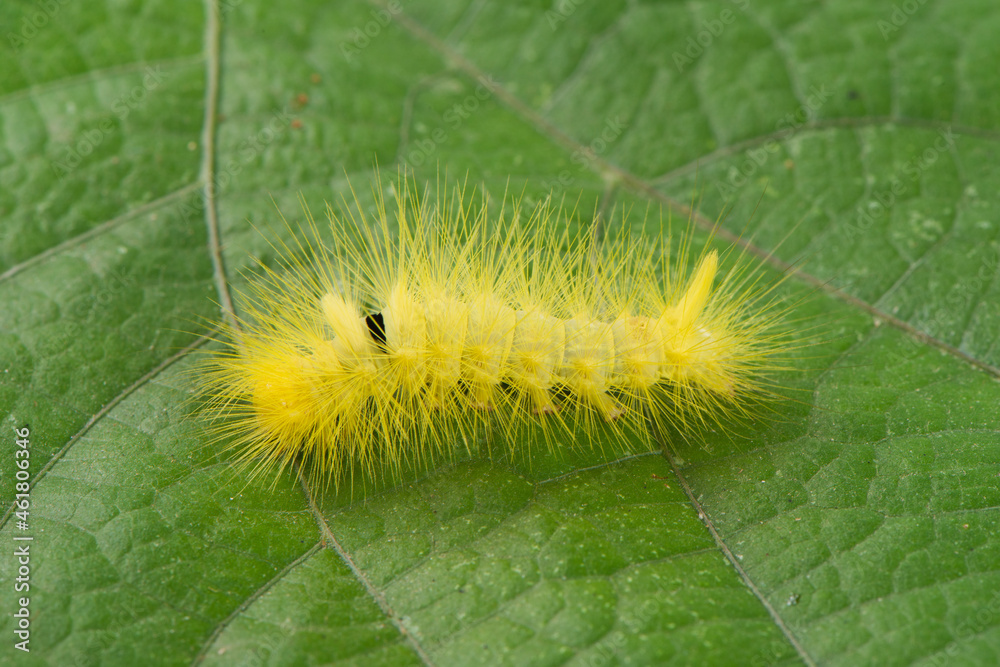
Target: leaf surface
142, 145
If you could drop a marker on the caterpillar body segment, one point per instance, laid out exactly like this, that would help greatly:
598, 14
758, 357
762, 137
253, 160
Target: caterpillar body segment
397, 341
489, 340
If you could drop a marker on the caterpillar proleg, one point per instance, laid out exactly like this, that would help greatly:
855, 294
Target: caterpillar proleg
436, 320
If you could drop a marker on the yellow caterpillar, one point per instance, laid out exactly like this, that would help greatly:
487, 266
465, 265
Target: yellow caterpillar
434, 322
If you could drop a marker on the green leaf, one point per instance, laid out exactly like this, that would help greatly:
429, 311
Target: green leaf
143, 142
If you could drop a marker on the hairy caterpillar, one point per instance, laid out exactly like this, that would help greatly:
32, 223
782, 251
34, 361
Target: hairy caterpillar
436, 321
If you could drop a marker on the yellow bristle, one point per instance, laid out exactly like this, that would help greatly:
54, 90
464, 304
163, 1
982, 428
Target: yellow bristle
488, 343
486, 325
282, 398
536, 354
